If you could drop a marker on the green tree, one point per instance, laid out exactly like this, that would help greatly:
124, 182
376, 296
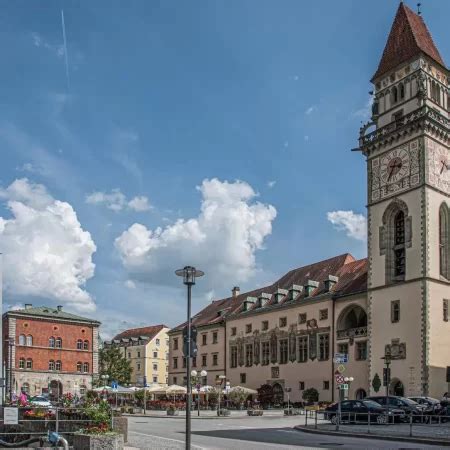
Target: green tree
238, 396
115, 365
376, 383
311, 395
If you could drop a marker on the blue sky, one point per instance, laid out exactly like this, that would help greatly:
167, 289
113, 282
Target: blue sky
167, 105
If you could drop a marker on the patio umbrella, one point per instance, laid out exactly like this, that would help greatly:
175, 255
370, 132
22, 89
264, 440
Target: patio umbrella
102, 388
156, 389
175, 389
246, 390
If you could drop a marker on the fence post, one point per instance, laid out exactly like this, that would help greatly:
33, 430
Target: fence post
57, 420
368, 423
315, 421
306, 418
410, 425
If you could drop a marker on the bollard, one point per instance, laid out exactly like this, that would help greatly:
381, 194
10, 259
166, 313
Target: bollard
315, 421
57, 419
306, 419
368, 423
410, 425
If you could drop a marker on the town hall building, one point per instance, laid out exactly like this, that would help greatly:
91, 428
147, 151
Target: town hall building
392, 306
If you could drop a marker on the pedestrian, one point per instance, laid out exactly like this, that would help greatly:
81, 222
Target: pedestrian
445, 398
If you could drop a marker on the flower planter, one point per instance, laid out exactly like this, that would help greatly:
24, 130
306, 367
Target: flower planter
293, 412
107, 441
255, 412
224, 412
172, 412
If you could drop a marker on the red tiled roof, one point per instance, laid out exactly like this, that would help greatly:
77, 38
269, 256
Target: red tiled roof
149, 332
409, 37
352, 279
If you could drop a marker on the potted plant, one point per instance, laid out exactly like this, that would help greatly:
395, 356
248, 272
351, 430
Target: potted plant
255, 410
172, 410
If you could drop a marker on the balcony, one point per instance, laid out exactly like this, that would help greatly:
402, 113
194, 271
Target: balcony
352, 333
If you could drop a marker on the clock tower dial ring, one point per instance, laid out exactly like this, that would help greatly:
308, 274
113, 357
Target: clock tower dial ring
395, 165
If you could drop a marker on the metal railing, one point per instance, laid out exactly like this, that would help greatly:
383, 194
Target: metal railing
352, 333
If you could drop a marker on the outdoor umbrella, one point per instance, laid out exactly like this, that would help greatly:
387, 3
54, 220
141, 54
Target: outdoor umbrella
247, 391
102, 388
175, 389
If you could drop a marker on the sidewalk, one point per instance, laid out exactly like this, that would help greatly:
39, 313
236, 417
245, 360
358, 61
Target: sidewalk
204, 414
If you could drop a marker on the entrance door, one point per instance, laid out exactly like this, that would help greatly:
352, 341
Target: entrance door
397, 388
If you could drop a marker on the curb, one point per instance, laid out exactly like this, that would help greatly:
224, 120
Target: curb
384, 437
154, 416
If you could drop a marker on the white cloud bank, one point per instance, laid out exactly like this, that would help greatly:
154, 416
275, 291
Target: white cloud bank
117, 201
222, 240
355, 225
46, 252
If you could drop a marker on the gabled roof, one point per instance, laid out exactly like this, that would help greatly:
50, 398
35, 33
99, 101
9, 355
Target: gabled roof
50, 313
148, 332
409, 37
352, 279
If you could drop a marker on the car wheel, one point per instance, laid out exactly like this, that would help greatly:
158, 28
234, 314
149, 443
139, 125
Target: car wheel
381, 419
334, 420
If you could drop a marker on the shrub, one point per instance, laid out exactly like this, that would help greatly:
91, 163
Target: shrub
311, 395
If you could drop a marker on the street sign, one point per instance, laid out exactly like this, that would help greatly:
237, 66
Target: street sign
343, 386
340, 379
340, 358
11, 416
114, 384
341, 368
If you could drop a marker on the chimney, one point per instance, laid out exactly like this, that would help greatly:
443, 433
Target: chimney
330, 282
295, 290
310, 286
248, 302
59, 307
28, 305
279, 294
235, 291
263, 299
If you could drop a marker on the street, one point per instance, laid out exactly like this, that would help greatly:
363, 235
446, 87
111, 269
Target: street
243, 433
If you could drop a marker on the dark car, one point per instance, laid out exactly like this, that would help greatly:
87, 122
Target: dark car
409, 407
426, 401
358, 411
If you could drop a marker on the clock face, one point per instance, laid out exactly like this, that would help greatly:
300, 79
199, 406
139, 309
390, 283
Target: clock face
394, 166
442, 164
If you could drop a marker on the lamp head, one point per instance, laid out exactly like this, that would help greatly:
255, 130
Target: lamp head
203, 373
194, 373
189, 275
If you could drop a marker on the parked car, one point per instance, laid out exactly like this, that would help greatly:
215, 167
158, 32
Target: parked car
358, 411
40, 401
409, 407
426, 401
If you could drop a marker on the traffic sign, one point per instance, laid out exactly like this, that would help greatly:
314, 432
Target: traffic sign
343, 386
114, 384
340, 358
341, 368
340, 379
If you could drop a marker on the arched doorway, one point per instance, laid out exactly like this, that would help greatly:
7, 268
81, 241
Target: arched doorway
56, 389
360, 394
396, 388
278, 394
265, 395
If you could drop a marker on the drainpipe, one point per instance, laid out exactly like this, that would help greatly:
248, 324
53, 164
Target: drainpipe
225, 350
333, 309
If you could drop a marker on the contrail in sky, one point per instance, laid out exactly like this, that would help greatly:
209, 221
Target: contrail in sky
66, 56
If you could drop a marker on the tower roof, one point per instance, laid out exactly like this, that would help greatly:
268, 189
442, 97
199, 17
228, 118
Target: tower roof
409, 37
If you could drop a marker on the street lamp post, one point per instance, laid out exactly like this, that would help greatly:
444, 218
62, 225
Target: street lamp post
198, 377
219, 382
11, 343
387, 377
189, 275
348, 380
288, 391
105, 378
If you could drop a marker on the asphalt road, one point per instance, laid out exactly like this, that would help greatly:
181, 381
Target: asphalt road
243, 433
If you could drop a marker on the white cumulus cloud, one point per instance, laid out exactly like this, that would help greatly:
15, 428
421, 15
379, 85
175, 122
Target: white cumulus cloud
310, 110
46, 251
222, 240
355, 225
117, 201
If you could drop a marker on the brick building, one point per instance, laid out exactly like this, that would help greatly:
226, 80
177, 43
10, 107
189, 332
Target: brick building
49, 350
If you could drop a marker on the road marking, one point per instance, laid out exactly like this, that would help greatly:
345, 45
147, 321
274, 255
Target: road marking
167, 439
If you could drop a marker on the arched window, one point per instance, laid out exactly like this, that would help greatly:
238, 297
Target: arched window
444, 244
399, 245
394, 95
29, 363
22, 363
86, 345
58, 366
51, 365
30, 340
402, 91
22, 339
51, 342
79, 344
86, 367
25, 388
79, 367
58, 342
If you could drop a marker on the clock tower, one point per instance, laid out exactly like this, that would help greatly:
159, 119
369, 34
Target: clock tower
407, 146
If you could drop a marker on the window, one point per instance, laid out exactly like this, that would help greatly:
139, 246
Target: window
30, 340
158, 341
138, 354
51, 365
301, 385
445, 309
343, 348
249, 355
129, 355
233, 357
283, 351
86, 345
394, 95
324, 347
175, 380
26, 388
395, 311
22, 363
215, 339
275, 372
303, 349
302, 318
265, 325
155, 354
243, 378
58, 365
361, 351
194, 361
29, 363
86, 367
184, 362
233, 331
444, 242
155, 366
79, 367
402, 91
215, 359
175, 343
204, 360
83, 389
138, 366
22, 339
283, 322
204, 339
79, 344
58, 342
399, 245
326, 385
265, 353
51, 342
248, 328
175, 363
323, 314
155, 379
